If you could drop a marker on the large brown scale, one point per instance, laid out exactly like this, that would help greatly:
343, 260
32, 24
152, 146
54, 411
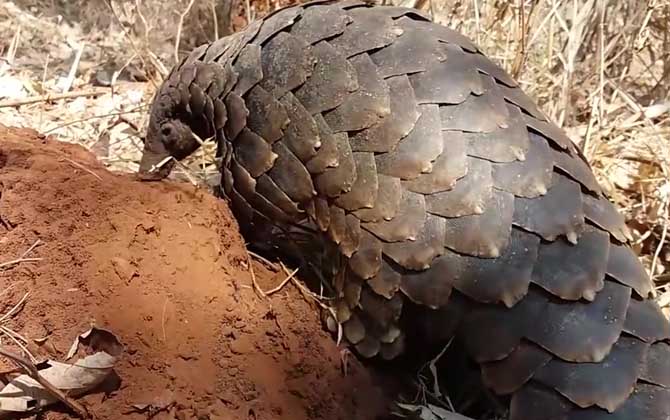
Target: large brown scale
441, 186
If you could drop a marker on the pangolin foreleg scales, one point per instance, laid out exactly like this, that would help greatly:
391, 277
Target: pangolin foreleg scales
433, 178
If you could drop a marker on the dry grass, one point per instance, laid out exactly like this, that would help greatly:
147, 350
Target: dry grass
600, 69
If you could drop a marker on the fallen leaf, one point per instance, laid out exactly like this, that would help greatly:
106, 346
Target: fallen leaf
24, 394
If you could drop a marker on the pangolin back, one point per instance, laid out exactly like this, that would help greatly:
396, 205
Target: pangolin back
440, 185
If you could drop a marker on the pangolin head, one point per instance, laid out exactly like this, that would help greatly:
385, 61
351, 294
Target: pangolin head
170, 136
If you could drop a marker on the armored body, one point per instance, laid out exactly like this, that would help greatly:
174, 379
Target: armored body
440, 185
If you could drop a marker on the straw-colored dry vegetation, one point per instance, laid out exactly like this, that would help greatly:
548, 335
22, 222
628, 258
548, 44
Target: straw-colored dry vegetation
85, 71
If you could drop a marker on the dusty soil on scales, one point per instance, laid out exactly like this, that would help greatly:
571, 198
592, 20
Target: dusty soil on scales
163, 267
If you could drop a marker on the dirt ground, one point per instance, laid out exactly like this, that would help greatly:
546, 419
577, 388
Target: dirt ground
163, 267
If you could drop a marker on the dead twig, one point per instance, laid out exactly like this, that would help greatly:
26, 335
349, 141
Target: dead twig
17, 339
73, 69
313, 296
33, 246
344, 360
15, 309
247, 9
13, 46
180, 27
661, 242
282, 284
195, 179
52, 97
304, 290
123, 119
31, 370
83, 168
139, 108
257, 288
159, 66
167, 299
215, 20
264, 260
524, 27
23, 258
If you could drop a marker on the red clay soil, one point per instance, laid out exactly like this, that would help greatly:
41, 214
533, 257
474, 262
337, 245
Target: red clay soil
162, 266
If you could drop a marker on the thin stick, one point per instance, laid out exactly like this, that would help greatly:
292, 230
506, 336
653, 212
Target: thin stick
179, 29
433, 370
344, 360
477, 23
13, 46
601, 64
305, 291
73, 69
163, 319
247, 8
83, 168
130, 39
52, 97
215, 20
117, 73
18, 261
257, 288
524, 25
659, 248
318, 299
340, 330
15, 309
139, 108
264, 260
130, 124
283, 283
33, 246
13, 336
44, 73
30, 370
147, 29
23, 256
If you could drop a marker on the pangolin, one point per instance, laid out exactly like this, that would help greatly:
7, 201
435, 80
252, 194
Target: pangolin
435, 184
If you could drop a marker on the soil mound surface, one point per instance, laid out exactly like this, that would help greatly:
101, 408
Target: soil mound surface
163, 267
